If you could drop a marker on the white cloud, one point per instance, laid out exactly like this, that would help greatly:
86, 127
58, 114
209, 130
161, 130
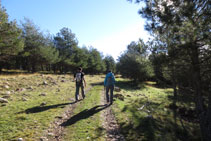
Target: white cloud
117, 43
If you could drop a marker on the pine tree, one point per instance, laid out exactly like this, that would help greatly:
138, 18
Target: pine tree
10, 39
183, 28
134, 63
65, 41
110, 63
39, 49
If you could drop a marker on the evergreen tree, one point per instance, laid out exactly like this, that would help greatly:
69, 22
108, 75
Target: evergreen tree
10, 39
183, 28
134, 63
66, 43
95, 61
49, 54
80, 57
39, 49
109, 63
34, 40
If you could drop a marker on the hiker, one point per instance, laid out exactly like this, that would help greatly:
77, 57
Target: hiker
80, 82
109, 86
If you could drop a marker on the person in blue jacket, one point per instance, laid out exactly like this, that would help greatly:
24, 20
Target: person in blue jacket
109, 83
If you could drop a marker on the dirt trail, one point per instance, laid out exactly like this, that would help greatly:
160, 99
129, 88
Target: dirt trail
56, 131
110, 124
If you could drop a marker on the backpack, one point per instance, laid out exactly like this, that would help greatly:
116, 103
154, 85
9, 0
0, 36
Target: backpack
109, 80
78, 77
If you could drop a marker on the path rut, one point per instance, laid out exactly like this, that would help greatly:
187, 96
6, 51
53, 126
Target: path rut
55, 132
110, 123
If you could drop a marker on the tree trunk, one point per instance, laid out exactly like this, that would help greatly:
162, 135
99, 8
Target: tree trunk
46, 67
27, 64
54, 68
203, 115
61, 69
49, 67
34, 67
42, 67
174, 85
0, 68
208, 117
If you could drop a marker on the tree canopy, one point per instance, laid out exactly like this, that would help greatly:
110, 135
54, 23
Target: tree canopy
134, 63
11, 42
28, 48
181, 51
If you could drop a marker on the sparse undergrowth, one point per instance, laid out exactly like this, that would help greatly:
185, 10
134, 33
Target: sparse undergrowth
145, 113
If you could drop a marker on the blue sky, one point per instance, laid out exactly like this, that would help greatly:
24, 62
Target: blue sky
108, 25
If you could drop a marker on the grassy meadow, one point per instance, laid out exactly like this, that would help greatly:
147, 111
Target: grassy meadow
143, 112
34, 101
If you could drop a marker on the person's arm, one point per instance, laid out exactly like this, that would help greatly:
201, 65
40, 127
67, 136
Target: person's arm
74, 77
84, 81
105, 81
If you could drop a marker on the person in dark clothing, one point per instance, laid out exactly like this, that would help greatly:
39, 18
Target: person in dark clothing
80, 83
109, 83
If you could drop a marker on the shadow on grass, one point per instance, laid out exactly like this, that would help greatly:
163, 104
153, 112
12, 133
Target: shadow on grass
129, 85
161, 86
149, 120
144, 130
185, 107
141, 125
84, 114
38, 109
150, 129
147, 123
18, 72
97, 84
99, 132
4, 72
182, 97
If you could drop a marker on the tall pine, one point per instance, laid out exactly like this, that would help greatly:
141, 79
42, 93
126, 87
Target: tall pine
183, 27
11, 42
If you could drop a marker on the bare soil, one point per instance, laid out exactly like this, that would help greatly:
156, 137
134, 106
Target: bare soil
110, 123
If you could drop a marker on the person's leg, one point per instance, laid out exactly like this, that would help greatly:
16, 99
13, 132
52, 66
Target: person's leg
77, 92
82, 91
107, 95
111, 93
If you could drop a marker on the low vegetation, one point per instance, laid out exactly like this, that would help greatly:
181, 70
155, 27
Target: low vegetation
34, 101
178, 56
86, 124
146, 113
